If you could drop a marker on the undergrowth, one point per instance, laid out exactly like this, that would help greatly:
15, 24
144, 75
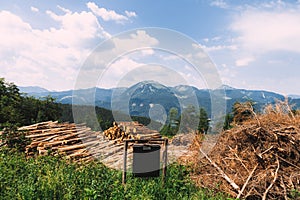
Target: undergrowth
54, 178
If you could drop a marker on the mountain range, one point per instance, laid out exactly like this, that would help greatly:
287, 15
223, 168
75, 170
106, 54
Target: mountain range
141, 97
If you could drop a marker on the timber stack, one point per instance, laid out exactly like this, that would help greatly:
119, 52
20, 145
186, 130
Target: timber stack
68, 139
130, 130
117, 133
79, 143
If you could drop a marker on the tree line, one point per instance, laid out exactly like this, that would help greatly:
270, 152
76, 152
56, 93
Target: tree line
17, 109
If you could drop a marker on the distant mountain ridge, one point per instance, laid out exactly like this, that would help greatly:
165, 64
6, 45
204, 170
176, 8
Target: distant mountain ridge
294, 96
32, 89
141, 97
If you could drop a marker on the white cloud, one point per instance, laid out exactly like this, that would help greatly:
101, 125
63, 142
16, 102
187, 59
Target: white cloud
116, 71
217, 38
137, 40
130, 13
64, 9
109, 15
148, 71
219, 3
262, 31
46, 57
76, 27
219, 48
34, 9
273, 4
170, 57
206, 40
137, 44
147, 52
244, 61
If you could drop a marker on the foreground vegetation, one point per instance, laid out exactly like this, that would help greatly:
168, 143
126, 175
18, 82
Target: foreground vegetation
55, 178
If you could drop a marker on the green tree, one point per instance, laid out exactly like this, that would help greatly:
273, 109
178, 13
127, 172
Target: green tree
173, 117
29, 108
10, 101
172, 126
189, 119
203, 121
18, 110
48, 110
13, 138
228, 120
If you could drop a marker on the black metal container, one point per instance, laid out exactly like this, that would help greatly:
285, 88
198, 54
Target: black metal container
146, 160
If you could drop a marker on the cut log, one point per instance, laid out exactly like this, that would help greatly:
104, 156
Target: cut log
78, 146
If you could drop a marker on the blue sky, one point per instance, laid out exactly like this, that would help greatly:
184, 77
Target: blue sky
254, 44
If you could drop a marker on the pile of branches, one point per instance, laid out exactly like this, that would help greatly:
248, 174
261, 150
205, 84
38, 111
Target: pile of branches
259, 159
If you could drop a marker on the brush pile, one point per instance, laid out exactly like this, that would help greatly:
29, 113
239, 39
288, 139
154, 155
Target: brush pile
258, 159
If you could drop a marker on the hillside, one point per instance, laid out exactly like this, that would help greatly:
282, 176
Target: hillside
142, 96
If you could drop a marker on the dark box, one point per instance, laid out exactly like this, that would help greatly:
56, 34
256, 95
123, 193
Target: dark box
146, 160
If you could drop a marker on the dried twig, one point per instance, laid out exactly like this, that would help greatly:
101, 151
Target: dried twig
287, 161
266, 151
275, 178
255, 115
284, 189
286, 102
246, 183
229, 180
238, 158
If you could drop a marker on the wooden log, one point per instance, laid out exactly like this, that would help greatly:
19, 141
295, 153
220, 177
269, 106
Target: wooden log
43, 152
76, 153
42, 134
86, 159
49, 138
148, 136
66, 137
33, 126
102, 147
78, 146
49, 133
64, 142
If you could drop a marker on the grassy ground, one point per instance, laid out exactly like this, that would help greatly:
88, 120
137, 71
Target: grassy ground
54, 178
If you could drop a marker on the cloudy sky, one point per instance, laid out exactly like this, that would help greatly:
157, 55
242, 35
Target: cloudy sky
254, 44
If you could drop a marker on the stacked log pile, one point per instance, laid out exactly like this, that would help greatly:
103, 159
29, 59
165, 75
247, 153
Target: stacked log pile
80, 144
117, 133
258, 159
130, 130
55, 138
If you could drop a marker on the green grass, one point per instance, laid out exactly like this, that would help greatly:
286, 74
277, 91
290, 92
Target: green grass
54, 178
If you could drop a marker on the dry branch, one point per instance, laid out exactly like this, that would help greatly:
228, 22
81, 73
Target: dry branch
246, 183
275, 178
229, 180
